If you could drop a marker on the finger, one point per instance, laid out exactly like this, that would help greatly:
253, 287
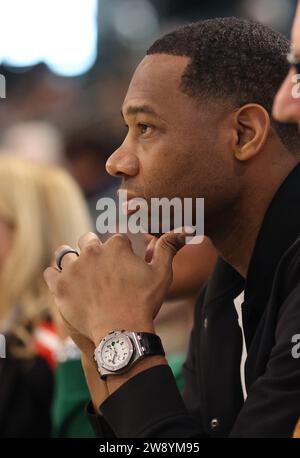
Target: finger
51, 276
67, 258
87, 239
120, 241
150, 249
168, 245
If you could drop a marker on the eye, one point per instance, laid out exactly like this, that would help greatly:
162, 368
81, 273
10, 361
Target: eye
144, 128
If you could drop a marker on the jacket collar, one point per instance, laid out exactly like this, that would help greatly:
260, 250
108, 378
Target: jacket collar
280, 228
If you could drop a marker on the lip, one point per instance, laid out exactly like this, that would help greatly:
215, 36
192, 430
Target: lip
130, 196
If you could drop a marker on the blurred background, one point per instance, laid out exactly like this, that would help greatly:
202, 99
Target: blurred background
67, 64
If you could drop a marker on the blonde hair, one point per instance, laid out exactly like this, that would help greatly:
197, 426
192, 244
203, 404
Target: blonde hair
46, 208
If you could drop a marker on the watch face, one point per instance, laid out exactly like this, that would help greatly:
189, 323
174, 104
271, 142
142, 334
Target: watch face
115, 352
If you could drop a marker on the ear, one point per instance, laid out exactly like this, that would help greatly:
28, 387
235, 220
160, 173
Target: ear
252, 126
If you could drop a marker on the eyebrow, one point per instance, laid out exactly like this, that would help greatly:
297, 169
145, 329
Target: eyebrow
135, 109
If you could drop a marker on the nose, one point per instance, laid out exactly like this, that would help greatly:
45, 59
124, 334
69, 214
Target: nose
122, 163
286, 106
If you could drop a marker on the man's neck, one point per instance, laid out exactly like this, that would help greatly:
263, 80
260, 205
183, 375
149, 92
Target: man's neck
240, 226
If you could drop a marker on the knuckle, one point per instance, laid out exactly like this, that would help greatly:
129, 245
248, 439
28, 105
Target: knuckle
83, 237
86, 237
47, 273
92, 249
119, 240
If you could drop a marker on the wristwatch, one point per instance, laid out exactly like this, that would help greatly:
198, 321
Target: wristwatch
118, 351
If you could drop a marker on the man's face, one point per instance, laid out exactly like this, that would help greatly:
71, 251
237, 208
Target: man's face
175, 147
286, 106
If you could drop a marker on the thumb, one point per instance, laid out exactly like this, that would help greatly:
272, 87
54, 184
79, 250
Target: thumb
168, 245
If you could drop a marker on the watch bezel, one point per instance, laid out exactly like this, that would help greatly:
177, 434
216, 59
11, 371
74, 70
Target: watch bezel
103, 343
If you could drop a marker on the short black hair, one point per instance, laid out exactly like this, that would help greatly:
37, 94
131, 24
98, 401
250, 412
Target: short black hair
232, 59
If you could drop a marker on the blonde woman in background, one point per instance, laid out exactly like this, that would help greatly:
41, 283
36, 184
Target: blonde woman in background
40, 207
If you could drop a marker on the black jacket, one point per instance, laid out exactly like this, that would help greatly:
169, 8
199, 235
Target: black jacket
26, 388
149, 405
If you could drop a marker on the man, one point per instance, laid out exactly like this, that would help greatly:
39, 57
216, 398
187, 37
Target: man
286, 106
198, 115
287, 102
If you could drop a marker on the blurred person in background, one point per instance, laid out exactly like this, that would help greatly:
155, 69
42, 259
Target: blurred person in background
67, 216
37, 141
85, 160
286, 106
287, 102
40, 206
